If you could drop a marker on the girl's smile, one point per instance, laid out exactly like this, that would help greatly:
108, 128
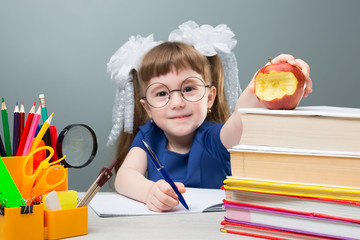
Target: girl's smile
180, 117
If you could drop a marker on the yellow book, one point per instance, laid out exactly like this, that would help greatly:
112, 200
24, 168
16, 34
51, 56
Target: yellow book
293, 189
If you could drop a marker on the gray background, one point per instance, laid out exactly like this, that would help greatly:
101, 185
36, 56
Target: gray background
60, 48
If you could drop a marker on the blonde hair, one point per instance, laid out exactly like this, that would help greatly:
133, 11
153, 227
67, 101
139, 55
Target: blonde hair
162, 59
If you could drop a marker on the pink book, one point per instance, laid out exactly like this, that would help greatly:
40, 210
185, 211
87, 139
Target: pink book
259, 231
293, 222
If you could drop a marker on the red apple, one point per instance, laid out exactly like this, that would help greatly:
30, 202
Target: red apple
279, 86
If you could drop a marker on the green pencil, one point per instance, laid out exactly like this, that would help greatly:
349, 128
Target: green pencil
5, 120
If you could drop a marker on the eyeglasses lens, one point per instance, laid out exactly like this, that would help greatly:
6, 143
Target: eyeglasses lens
192, 89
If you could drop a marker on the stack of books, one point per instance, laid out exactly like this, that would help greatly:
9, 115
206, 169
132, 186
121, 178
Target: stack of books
309, 144
295, 175
285, 210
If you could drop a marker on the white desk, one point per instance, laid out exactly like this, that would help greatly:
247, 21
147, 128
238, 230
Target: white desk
171, 226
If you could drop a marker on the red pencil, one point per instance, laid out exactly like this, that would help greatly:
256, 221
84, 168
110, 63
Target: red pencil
26, 131
21, 120
53, 134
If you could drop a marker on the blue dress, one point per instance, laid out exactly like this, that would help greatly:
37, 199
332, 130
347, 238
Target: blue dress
206, 165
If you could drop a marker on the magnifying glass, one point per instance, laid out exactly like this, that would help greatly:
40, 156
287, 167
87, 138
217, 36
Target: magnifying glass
78, 142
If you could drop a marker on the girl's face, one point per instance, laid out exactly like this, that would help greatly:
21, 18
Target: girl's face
179, 117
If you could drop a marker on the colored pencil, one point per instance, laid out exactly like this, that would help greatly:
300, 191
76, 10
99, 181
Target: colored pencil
41, 133
32, 130
21, 120
16, 129
2, 149
37, 130
44, 114
26, 131
5, 120
53, 134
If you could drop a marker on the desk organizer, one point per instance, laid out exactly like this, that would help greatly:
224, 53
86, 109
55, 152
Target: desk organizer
65, 223
35, 222
22, 223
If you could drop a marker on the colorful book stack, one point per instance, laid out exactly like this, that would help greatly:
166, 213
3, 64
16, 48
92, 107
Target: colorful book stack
309, 145
285, 210
295, 175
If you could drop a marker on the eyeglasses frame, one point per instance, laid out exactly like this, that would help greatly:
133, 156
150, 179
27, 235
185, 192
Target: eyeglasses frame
176, 90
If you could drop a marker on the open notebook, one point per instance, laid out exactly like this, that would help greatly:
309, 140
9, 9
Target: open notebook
111, 204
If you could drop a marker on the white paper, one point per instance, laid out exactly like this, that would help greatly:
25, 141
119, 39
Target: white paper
297, 151
110, 204
326, 111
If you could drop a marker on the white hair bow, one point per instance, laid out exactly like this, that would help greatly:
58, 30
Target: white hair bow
210, 41
125, 59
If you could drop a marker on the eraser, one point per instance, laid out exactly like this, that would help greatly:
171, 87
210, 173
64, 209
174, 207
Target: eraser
52, 202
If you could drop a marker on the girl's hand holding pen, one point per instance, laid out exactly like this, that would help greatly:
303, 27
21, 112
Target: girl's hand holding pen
162, 197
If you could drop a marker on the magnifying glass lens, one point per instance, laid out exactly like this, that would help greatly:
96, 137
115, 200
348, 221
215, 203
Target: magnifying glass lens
78, 143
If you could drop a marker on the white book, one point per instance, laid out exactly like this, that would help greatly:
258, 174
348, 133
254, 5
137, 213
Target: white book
324, 111
322, 128
293, 151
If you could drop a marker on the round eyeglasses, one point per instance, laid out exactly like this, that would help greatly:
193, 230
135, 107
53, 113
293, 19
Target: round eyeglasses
192, 89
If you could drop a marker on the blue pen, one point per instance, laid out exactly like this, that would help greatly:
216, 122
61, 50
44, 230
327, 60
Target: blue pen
164, 174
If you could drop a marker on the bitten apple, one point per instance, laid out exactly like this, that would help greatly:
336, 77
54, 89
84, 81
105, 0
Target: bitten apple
279, 86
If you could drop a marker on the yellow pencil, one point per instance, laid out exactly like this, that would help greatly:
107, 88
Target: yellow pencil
41, 133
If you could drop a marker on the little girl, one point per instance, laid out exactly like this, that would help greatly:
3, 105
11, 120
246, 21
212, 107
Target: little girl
182, 112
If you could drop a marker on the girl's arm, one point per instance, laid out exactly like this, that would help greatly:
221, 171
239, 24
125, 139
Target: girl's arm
130, 182
131, 175
231, 132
